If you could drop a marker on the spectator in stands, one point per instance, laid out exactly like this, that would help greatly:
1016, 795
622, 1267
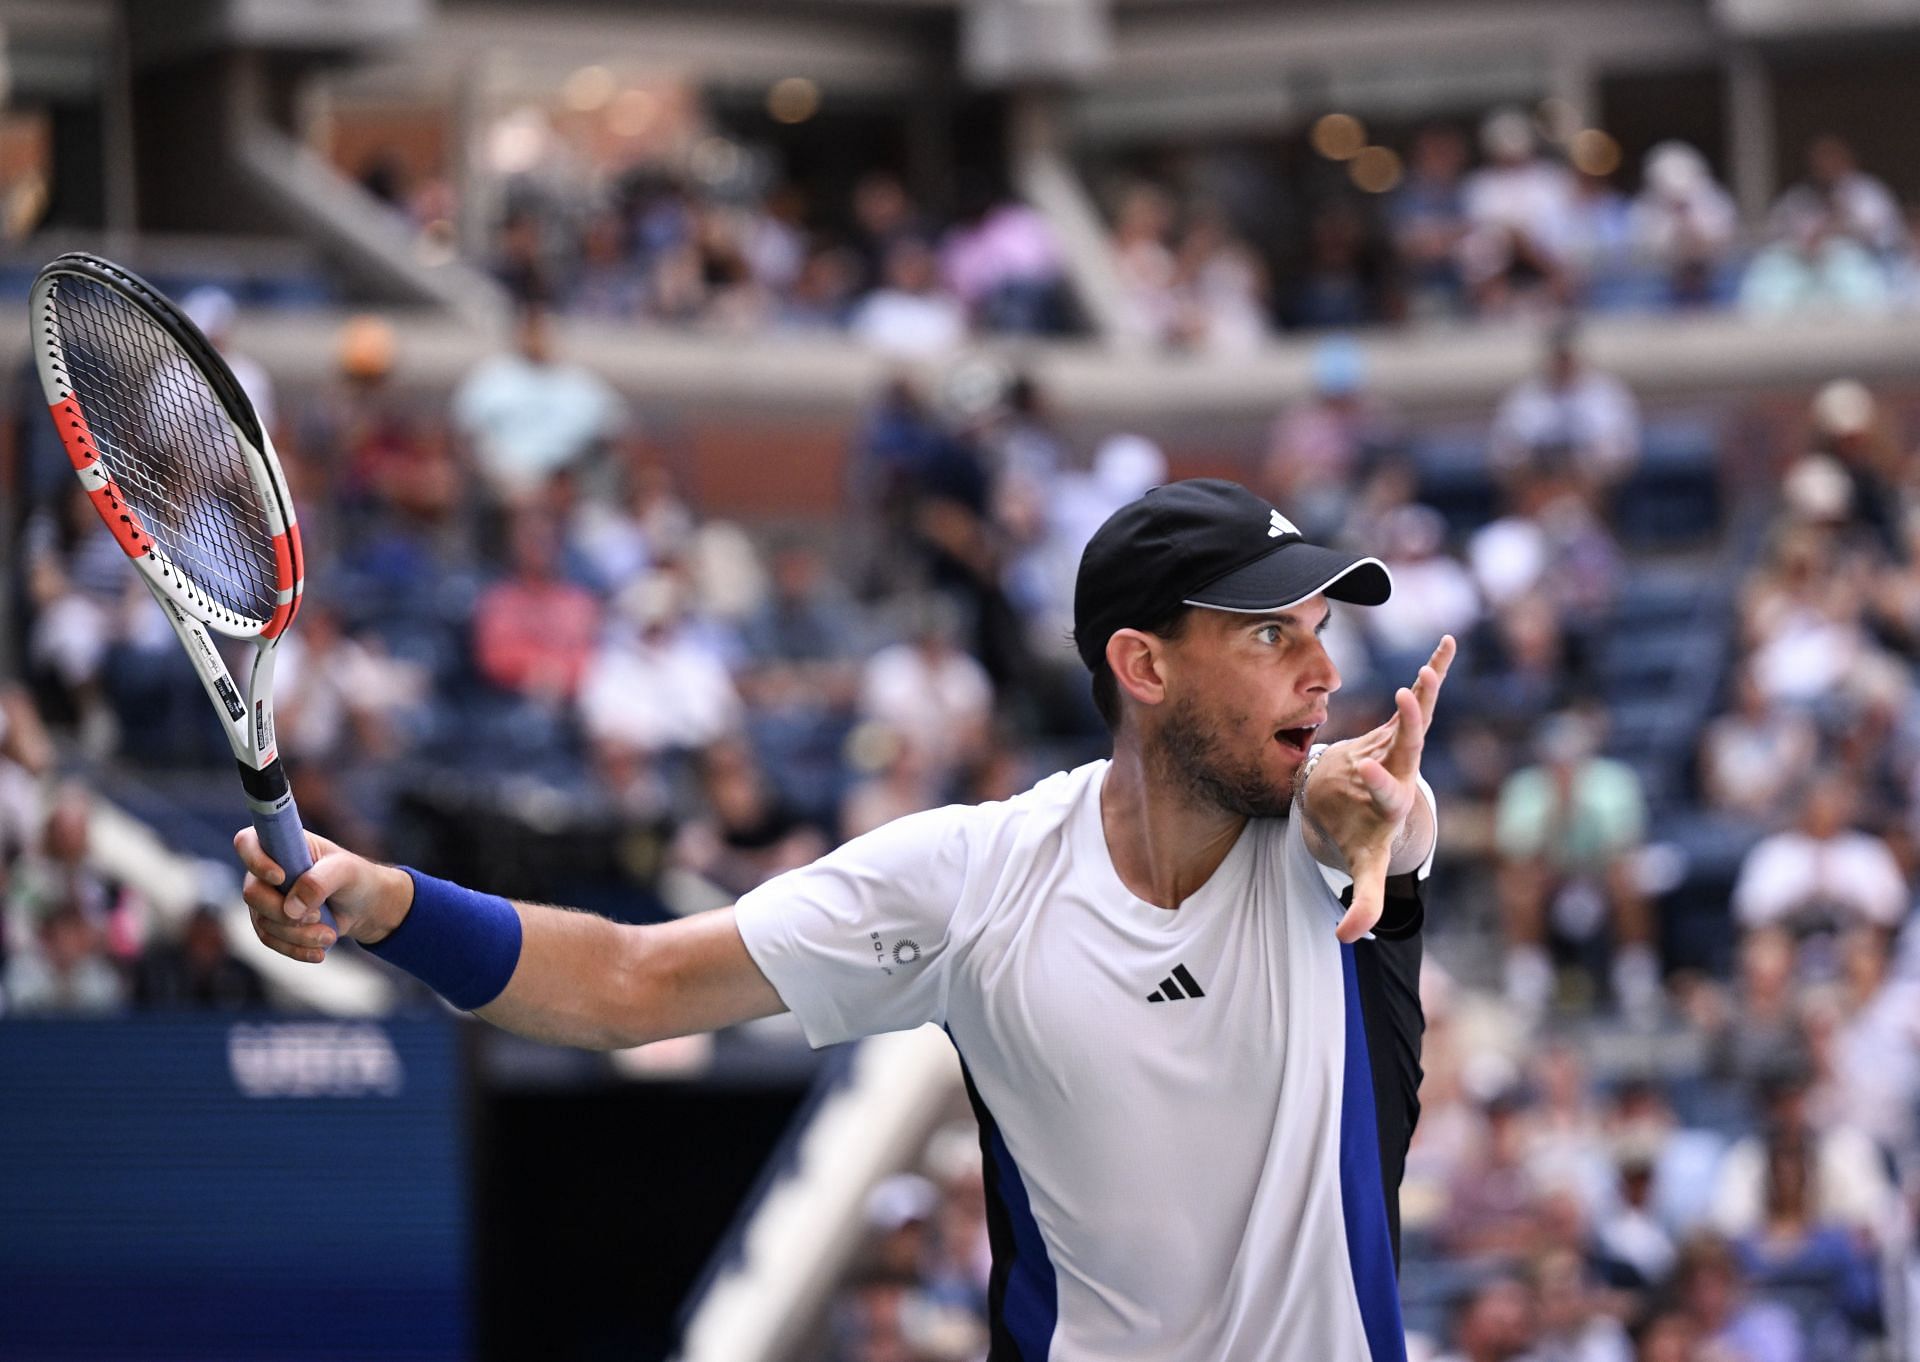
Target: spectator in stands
1493, 1203
68, 973
884, 216
1566, 1144
1000, 260
823, 293
1666, 1334
911, 315
342, 698
893, 778
57, 873
533, 631
804, 641
1527, 669
82, 602
1828, 1270
1318, 447
27, 754
1518, 207
1571, 415
1634, 1248
655, 686
1851, 431
1683, 221
1824, 874
609, 284
1839, 198
1753, 759
1751, 1034
384, 464
1814, 273
1867, 1045
1641, 1117
1220, 289
529, 414
1047, 527
1142, 237
1428, 219
1497, 1322
1432, 590
747, 833
1337, 283
520, 259
959, 1268
1599, 240
1567, 836
213, 310
928, 688
1712, 1292
1576, 1319
1848, 1184
197, 970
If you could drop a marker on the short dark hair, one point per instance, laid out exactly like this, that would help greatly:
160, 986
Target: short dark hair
1106, 688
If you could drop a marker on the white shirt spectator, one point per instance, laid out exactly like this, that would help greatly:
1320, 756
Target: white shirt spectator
939, 696
657, 691
1858, 204
1681, 214
1850, 1181
1593, 414
1432, 592
529, 420
1851, 872
910, 325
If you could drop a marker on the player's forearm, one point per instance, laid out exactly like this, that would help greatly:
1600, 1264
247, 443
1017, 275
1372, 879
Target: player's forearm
579, 981
583, 980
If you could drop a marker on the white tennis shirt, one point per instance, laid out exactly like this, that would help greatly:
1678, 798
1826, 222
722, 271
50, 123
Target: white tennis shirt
1177, 1107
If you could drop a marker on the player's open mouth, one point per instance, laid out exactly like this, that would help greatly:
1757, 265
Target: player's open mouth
1297, 738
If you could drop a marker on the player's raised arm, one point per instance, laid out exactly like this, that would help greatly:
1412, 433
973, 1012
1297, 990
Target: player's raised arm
552, 974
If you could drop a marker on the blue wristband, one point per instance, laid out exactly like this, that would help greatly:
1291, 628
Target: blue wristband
462, 944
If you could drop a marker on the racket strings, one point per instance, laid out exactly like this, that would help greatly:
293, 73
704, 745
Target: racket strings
167, 442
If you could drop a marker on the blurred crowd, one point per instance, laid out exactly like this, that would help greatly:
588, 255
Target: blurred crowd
881, 267
1533, 227
1651, 1129
1536, 223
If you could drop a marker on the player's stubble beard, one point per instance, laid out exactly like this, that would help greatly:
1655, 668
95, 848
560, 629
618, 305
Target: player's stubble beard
1189, 750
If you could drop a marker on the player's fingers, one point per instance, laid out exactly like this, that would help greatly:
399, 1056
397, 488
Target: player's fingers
1369, 899
1433, 676
326, 877
246, 843
1403, 757
295, 942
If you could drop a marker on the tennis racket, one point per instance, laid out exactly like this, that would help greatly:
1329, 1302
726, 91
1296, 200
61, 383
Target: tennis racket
177, 464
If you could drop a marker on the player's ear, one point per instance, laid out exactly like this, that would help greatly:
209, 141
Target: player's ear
1136, 658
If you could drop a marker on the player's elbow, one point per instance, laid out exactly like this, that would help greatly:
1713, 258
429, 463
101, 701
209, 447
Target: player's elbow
647, 988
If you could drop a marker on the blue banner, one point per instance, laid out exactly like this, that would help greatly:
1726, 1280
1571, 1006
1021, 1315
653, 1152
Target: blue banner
193, 1187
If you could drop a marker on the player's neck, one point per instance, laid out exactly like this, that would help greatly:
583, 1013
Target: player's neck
1163, 842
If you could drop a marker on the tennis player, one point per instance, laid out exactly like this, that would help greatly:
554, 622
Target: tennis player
1183, 981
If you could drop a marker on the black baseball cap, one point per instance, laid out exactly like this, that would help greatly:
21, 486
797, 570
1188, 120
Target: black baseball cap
1210, 542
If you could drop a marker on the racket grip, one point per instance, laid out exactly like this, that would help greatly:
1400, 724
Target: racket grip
277, 820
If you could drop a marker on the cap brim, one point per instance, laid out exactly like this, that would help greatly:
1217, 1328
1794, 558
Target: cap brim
1293, 573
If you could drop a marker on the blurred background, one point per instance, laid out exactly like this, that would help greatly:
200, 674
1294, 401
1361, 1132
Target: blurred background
696, 411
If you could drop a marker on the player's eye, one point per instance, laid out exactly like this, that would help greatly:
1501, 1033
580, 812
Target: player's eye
1268, 633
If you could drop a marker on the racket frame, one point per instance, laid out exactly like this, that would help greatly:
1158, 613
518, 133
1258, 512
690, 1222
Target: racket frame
246, 716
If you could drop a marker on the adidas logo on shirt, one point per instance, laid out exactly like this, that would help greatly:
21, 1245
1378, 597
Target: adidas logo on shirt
1170, 987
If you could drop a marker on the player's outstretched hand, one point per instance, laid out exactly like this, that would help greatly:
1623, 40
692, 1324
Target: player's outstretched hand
366, 898
1363, 789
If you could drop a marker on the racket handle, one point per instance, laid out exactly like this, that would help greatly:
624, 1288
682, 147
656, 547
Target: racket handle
277, 820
